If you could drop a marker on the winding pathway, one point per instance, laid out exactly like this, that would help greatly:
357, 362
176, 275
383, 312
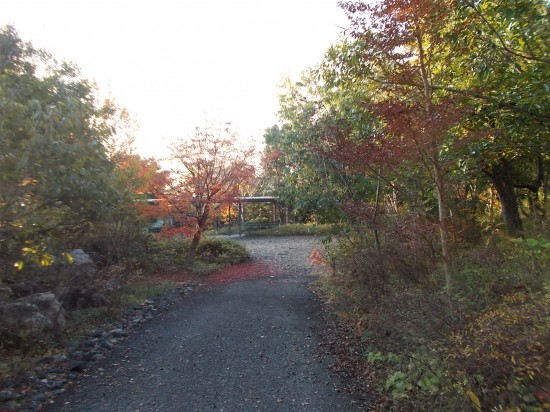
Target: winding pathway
241, 346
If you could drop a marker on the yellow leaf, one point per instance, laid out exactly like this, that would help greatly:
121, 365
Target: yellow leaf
46, 260
475, 400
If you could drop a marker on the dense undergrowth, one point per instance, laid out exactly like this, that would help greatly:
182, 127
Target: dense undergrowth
482, 347
124, 285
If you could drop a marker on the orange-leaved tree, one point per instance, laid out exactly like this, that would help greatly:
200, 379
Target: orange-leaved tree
209, 171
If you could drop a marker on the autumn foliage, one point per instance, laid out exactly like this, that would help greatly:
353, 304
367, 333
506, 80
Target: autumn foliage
423, 134
209, 171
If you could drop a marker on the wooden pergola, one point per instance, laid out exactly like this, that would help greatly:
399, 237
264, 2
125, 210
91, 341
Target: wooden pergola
276, 208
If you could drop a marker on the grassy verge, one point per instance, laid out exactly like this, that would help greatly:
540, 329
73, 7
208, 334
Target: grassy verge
294, 229
291, 229
487, 351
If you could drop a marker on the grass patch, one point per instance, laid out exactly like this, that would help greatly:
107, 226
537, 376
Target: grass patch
169, 255
295, 229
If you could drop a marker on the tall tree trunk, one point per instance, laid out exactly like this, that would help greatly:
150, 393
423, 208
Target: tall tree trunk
501, 177
443, 225
191, 253
201, 223
376, 206
437, 175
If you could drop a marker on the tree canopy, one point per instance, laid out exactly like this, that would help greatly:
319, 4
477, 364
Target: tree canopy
209, 172
58, 185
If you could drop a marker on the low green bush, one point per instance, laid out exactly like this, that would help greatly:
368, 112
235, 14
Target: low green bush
485, 275
170, 254
221, 251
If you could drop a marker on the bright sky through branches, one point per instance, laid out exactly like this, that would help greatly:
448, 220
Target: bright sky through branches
176, 63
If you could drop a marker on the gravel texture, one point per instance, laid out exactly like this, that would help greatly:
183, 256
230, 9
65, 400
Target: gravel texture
248, 345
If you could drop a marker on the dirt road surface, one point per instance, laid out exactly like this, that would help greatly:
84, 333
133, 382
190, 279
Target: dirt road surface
248, 345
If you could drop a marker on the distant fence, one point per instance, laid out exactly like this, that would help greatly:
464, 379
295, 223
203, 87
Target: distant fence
248, 226
245, 227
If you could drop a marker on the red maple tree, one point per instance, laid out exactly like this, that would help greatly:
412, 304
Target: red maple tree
209, 171
402, 41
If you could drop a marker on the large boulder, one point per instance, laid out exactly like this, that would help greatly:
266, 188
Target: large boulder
82, 267
81, 288
23, 288
81, 297
6, 294
36, 315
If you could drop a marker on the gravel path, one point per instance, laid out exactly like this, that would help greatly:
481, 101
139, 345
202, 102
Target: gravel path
243, 346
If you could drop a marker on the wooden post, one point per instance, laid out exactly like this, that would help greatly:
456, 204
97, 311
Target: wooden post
229, 219
240, 218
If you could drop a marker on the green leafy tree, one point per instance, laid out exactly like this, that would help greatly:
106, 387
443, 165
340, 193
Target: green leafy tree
56, 180
499, 51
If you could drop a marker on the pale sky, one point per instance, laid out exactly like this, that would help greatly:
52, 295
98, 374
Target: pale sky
176, 63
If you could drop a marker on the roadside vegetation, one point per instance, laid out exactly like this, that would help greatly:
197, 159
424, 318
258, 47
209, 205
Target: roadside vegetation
77, 207
158, 271
423, 134
290, 229
417, 148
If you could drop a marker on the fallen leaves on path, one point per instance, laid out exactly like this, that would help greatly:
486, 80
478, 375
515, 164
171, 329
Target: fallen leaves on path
242, 271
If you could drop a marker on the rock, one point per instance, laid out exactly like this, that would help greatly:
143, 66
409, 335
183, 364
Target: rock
6, 294
98, 357
7, 395
107, 344
81, 258
80, 273
77, 366
40, 397
32, 316
22, 289
59, 358
119, 333
77, 297
11, 406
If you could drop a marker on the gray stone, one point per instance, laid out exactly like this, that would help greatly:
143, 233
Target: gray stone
98, 357
77, 366
81, 258
40, 397
11, 406
119, 333
6, 294
32, 316
7, 395
59, 358
81, 297
22, 289
107, 344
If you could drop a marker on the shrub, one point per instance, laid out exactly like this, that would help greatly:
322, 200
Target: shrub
501, 268
221, 251
165, 255
169, 255
505, 350
486, 351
